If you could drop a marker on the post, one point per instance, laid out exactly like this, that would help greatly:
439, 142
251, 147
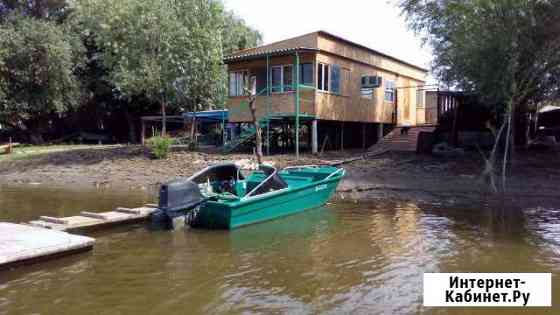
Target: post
268, 104
314, 137
364, 136
223, 127
9, 149
454, 130
296, 70
379, 132
342, 137
143, 131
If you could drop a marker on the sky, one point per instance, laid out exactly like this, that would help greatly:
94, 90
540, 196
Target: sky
373, 23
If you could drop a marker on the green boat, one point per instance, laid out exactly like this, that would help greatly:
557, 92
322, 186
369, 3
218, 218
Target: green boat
221, 197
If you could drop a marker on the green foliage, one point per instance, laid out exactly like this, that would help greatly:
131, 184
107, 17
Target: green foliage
508, 51
237, 35
119, 56
37, 63
166, 50
160, 146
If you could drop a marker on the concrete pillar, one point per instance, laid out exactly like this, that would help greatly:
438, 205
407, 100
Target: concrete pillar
379, 131
314, 137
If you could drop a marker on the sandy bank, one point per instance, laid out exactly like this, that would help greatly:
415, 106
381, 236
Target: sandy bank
391, 175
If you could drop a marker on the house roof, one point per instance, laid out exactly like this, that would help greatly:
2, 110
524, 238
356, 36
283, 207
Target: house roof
262, 51
208, 116
256, 53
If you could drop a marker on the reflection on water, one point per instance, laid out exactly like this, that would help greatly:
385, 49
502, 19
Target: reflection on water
359, 258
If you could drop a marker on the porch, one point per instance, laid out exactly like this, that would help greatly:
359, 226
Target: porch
285, 98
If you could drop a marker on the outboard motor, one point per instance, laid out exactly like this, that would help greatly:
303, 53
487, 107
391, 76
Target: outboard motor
176, 199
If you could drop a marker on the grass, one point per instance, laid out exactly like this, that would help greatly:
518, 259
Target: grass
24, 152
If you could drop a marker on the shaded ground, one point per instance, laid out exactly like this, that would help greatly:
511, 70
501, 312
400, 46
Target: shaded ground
390, 175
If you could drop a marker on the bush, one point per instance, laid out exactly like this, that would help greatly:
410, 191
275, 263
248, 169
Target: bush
159, 146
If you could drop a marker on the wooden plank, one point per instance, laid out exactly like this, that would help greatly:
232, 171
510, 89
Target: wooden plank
94, 215
21, 244
54, 220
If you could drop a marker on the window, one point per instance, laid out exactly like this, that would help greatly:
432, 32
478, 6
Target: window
237, 81
306, 74
329, 77
288, 78
320, 78
420, 99
276, 79
390, 91
323, 77
326, 77
282, 78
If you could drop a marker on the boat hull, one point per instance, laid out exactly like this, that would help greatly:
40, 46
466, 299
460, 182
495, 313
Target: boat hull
266, 207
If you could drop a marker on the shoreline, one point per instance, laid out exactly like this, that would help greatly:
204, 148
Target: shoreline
391, 175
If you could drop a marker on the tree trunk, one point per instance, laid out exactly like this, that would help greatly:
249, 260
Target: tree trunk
131, 126
258, 135
40, 9
163, 118
193, 132
36, 138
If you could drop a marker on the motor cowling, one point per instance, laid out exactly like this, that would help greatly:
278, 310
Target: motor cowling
179, 196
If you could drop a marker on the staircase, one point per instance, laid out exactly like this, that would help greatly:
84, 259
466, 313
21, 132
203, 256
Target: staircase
397, 142
248, 135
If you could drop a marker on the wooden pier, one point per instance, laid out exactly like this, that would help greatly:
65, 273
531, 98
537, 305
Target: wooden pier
23, 244
87, 220
48, 237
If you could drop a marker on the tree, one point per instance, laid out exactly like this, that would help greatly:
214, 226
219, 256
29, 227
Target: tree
41, 9
165, 50
38, 60
237, 35
506, 51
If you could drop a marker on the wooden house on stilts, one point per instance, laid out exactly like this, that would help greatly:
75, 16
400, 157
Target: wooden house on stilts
319, 90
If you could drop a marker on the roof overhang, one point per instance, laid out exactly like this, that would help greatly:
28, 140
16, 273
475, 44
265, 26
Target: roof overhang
259, 54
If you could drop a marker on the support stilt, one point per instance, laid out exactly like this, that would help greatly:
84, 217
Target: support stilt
314, 137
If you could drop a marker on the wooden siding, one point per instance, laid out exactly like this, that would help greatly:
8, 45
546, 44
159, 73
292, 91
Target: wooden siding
279, 103
431, 107
334, 46
351, 106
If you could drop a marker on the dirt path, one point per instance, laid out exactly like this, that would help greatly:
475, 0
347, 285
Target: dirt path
390, 175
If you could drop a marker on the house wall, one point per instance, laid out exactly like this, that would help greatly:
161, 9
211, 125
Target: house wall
349, 105
332, 45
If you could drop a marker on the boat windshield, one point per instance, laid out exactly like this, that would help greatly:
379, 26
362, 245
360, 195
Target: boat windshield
272, 182
218, 178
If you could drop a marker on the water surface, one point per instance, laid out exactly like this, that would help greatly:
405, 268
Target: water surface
365, 258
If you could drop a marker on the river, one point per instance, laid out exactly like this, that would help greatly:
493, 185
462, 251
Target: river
362, 258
